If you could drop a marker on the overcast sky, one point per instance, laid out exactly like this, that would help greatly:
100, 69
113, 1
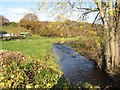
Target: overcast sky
14, 10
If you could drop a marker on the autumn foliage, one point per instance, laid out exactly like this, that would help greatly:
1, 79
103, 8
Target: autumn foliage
30, 22
19, 71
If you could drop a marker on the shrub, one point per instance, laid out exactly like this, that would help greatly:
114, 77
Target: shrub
12, 38
20, 71
89, 46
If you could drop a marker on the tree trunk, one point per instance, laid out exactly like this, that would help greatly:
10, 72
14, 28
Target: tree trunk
111, 23
113, 66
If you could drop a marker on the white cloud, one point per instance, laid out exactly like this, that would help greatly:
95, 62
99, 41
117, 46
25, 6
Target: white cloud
15, 18
15, 14
19, 11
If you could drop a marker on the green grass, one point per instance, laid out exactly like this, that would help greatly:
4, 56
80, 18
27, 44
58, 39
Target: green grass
36, 46
11, 29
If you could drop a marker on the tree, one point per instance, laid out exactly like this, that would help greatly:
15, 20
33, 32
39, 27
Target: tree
3, 20
110, 15
30, 22
109, 12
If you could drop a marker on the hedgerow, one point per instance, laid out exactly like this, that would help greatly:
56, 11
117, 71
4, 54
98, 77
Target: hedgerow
20, 71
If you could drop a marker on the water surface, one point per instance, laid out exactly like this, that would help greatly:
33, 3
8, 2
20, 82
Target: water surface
77, 68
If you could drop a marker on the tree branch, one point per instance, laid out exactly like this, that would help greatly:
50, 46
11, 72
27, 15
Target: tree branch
88, 9
95, 18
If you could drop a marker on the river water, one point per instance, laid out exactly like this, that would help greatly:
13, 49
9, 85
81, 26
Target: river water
78, 69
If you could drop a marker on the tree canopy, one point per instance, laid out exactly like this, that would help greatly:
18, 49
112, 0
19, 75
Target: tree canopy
30, 22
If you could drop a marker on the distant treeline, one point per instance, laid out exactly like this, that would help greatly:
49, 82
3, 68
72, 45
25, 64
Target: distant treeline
67, 28
61, 29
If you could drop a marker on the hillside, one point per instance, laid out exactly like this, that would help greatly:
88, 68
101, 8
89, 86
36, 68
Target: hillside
12, 29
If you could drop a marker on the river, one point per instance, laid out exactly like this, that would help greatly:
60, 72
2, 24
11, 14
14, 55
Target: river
77, 68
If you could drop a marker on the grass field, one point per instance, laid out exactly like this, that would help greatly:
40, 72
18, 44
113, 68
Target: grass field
38, 47
40, 51
11, 29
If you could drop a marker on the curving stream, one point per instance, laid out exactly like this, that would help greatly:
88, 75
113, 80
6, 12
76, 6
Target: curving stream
77, 68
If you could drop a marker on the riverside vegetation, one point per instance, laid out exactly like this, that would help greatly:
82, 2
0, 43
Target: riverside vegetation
29, 63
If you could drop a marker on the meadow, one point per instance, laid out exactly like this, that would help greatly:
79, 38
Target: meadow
13, 29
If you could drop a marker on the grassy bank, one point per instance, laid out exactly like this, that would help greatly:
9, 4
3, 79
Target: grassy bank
13, 29
39, 64
36, 46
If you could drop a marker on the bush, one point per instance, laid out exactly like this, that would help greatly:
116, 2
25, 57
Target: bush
89, 46
64, 29
12, 38
20, 71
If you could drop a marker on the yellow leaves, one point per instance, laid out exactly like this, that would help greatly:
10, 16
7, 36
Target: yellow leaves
2, 85
117, 9
91, 32
69, 35
12, 76
48, 85
61, 34
36, 86
4, 65
62, 29
111, 12
28, 86
80, 26
62, 40
2, 78
58, 26
49, 26
19, 73
8, 82
90, 86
